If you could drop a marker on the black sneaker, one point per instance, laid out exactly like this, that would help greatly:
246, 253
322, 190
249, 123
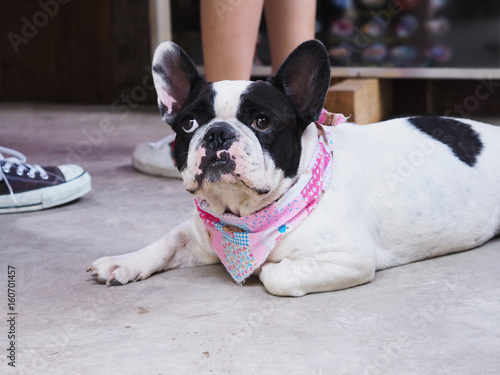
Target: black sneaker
30, 187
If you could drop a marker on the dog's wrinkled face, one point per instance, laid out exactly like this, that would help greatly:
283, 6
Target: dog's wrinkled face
239, 134
238, 143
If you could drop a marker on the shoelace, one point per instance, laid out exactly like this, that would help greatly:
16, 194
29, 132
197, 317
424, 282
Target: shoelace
18, 161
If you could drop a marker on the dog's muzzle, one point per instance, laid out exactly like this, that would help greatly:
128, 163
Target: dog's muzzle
217, 160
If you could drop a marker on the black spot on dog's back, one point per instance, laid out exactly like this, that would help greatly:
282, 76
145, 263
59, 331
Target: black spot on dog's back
460, 137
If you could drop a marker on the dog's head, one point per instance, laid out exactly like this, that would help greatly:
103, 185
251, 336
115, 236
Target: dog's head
238, 143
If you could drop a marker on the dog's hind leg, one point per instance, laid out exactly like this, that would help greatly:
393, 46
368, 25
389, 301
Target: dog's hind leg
317, 273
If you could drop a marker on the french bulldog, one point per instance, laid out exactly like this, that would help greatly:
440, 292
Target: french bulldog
309, 208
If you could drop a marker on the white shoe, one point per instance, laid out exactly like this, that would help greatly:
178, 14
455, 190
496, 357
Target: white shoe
156, 158
30, 187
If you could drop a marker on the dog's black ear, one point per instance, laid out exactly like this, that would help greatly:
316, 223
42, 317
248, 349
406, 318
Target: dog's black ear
304, 77
174, 76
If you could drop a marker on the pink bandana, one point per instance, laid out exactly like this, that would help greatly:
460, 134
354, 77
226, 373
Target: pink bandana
327, 118
244, 243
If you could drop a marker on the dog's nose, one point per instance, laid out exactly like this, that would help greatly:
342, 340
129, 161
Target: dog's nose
220, 136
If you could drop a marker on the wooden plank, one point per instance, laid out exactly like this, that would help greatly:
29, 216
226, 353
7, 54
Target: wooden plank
91, 51
131, 50
366, 100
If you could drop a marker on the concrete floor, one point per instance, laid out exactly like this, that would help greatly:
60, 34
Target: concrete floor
440, 316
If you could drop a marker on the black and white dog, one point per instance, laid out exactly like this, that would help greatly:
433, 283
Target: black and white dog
309, 208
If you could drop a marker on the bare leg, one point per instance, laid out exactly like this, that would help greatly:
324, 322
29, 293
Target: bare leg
229, 34
289, 23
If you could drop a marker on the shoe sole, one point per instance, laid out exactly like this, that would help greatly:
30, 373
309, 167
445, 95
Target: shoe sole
52, 196
155, 171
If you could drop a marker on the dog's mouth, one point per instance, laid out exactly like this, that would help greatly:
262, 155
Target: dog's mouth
221, 163
215, 165
220, 167
223, 172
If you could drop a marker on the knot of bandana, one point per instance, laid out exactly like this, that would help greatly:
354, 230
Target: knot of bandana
331, 119
244, 243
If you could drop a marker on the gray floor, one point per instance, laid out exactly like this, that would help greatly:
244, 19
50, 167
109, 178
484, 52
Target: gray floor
440, 316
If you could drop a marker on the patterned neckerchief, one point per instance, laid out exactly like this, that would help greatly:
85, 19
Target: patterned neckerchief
244, 243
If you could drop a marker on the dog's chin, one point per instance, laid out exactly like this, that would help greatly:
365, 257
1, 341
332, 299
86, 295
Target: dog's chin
231, 192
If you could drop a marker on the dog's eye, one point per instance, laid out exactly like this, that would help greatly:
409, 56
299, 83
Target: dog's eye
261, 123
189, 125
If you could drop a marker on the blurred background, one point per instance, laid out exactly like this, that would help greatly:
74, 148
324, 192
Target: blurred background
94, 51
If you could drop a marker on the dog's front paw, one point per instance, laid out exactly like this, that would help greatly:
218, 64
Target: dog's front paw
117, 270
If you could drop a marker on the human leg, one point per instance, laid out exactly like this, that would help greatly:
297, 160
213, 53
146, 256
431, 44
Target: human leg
289, 23
229, 35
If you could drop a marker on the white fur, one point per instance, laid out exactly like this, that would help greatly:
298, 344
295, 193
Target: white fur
396, 196
366, 222
227, 97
